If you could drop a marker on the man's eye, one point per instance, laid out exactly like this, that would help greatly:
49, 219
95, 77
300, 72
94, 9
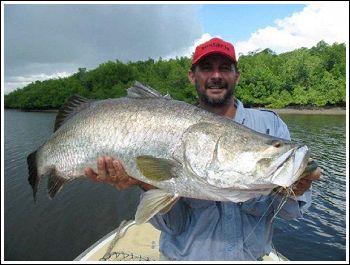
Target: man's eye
226, 69
206, 67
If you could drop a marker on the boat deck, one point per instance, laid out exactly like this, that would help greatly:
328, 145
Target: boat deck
140, 242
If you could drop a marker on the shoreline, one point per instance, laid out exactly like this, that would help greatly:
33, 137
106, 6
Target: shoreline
304, 111
319, 111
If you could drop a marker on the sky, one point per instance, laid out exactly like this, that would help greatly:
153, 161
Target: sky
43, 41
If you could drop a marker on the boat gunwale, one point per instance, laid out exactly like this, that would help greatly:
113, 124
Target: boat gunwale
89, 251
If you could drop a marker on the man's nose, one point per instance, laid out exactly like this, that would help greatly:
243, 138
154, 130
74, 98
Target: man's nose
216, 73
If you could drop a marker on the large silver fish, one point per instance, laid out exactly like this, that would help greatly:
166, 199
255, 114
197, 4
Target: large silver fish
183, 150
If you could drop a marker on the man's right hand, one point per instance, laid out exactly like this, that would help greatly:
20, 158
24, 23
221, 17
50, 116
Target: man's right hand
112, 171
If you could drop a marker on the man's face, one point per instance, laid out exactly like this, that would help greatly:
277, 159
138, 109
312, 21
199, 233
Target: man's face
214, 78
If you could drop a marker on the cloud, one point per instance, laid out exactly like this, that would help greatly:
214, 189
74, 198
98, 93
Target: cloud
316, 22
51, 39
188, 51
14, 82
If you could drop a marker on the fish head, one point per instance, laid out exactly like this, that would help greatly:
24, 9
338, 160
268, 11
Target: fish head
282, 163
258, 161
243, 159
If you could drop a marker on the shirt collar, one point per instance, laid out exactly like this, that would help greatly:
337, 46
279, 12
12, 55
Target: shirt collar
240, 113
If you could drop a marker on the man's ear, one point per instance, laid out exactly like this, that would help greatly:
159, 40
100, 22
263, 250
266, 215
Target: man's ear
191, 77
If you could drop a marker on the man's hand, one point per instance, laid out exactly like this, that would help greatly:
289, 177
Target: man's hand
111, 171
311, 173
304, 183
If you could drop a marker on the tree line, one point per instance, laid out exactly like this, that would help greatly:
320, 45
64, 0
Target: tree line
313, 77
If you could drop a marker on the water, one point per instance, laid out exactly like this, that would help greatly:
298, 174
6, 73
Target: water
58, 229
321, 235
83, 211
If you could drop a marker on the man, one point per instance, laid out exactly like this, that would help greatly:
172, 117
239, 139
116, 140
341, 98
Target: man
208, 230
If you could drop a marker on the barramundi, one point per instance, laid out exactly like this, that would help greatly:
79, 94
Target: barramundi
183, 150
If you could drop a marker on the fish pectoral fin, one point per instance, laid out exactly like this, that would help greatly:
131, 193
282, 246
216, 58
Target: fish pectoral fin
152, 202
157, 169
55, 183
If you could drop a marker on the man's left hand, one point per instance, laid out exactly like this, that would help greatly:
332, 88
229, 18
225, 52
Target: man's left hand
300, 186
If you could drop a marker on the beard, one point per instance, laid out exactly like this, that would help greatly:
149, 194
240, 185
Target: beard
219, 101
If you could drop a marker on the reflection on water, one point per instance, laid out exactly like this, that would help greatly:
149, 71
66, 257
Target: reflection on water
83, 211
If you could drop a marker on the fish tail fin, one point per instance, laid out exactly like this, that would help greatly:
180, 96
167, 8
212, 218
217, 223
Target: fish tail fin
55, 183
33, 178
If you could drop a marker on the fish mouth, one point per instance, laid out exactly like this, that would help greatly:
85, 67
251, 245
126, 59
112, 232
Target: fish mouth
289, 166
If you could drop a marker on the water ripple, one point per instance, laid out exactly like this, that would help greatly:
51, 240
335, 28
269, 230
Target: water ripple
324, 222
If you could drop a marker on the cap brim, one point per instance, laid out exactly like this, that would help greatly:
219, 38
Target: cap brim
213, 52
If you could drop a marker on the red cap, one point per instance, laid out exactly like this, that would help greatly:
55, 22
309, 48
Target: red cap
214, 45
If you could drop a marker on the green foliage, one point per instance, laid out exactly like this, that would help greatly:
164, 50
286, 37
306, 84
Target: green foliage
306, 77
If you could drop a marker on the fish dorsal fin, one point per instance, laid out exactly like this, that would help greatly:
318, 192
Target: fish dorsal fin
139, 90
152, 202
157, 169
72, 106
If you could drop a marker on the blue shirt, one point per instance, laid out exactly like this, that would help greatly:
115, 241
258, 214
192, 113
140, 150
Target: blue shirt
208, 230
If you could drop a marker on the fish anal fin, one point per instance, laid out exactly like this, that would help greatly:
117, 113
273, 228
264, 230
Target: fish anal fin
152, 202
157, 169
169, 206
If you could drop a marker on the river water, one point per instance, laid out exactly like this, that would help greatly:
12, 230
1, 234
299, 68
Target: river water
83, 212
